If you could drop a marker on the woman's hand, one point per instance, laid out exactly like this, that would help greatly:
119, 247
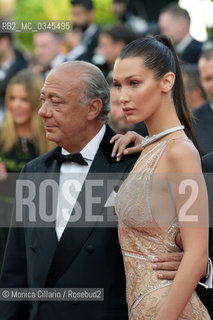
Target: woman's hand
122, 141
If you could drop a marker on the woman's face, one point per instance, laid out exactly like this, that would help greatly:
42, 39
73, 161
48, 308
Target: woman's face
139, 92
19, 105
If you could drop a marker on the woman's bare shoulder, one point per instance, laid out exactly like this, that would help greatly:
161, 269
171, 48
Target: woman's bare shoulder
182, 156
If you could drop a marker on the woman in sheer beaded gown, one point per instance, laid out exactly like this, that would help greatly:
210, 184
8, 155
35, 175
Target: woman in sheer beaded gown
165, 193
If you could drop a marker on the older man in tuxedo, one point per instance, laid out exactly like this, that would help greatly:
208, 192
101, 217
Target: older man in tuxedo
75, 103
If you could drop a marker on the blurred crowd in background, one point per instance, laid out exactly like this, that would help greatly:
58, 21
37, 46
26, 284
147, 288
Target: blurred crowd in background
22, 135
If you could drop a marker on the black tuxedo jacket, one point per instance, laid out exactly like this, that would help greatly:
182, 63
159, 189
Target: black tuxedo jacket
203, 125
85, 257
207, 164
92, 43
192, 52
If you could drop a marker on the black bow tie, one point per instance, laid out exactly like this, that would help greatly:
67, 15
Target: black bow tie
76, 157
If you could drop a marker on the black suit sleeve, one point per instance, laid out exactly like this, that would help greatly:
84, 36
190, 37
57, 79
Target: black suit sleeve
14, 275
206, 296
207, 165
207, 162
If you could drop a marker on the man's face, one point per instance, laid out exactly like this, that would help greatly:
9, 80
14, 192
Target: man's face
171, 27
65, 119
3, 48
109, 48
206, 76
81, 18
47, 47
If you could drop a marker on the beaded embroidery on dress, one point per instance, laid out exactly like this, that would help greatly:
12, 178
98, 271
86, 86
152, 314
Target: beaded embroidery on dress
141, 239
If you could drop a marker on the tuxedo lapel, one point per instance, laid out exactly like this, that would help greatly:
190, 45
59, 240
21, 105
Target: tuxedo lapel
46, 234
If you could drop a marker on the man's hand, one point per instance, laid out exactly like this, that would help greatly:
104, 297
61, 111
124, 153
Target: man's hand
178, 241
167, 264
122, 141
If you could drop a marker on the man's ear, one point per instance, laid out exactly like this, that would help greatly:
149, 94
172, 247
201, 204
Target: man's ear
167, 82
94, 109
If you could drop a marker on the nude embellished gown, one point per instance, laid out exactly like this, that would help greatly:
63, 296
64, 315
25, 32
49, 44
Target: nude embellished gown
141, 239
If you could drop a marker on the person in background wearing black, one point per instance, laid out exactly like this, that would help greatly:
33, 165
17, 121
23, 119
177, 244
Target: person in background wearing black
203, 121
174, 22
22, 138
82, 18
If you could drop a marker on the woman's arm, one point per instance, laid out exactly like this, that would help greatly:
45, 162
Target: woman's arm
184, 168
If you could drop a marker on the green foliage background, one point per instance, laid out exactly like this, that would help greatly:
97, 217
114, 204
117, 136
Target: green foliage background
55, 10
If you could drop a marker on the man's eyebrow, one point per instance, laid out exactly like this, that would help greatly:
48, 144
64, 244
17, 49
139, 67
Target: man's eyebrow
54, 95
51, 94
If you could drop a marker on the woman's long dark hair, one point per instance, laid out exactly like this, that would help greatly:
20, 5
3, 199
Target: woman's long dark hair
159, 55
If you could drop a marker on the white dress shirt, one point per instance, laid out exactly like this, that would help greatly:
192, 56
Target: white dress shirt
72, 177
4, 68
180, 47
76, 52
57, 60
